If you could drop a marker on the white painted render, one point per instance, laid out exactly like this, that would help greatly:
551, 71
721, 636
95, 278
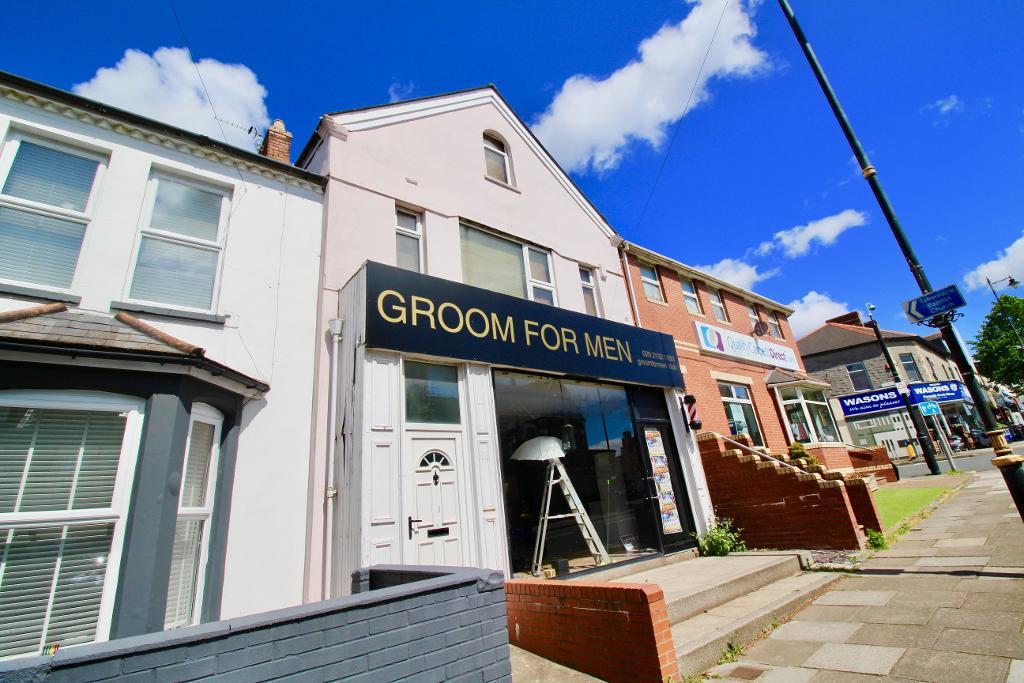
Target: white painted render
427, 156
268, 290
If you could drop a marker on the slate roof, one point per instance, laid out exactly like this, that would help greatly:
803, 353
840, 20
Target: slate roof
53, 327
81, 329
778, 376
832, 336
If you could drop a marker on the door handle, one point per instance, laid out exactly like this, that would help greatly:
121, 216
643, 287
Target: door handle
411, 522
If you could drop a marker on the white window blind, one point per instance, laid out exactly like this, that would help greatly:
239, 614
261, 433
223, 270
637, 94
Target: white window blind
492, 263
718, 306
589, 290
690, 296
180, 248
42, 217
58, 470
191, 532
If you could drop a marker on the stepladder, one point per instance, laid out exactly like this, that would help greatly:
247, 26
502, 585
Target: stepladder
557, 476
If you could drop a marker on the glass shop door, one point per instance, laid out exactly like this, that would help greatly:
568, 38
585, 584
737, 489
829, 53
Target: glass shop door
667, 486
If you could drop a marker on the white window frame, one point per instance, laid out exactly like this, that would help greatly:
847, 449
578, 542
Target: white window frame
912, 361
532, 282
752, 314
123, 481
9, 152
592, 287
202, 413
691, 296
775, 324
146, 230
656, 282
718, 304
803, 402
871, 385
488, 143
748, 401
417, 235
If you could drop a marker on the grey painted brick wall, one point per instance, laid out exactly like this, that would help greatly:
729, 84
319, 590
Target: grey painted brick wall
441, 624
831, 366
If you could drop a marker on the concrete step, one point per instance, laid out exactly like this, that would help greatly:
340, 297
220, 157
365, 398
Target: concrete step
700, 639
699, 585
530, 668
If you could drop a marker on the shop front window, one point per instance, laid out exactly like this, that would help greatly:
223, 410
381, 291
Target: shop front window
603, 460
739, 411
808, 416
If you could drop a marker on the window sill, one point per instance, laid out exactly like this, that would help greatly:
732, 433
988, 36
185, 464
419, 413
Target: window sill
658, 303
168, 312
503, 184
37, 293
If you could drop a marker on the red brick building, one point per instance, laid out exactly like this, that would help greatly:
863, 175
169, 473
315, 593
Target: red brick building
746, 380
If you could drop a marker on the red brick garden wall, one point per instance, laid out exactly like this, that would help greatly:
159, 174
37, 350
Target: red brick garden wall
776, 505
873, 461
614, 631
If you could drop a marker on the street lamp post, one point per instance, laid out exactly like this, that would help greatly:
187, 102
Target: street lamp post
943, 322
916, 417
1010, 282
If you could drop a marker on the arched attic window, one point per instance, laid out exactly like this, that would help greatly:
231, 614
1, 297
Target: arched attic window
496, 158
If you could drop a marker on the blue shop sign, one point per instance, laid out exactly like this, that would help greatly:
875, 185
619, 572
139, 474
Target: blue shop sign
871, 401
940, 392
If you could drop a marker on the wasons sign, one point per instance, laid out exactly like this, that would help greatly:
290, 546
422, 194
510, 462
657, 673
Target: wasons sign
414, 313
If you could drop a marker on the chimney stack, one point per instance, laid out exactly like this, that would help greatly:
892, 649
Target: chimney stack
277, 143
851, 318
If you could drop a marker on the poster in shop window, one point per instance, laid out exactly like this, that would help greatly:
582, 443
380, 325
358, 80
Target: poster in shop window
670, 521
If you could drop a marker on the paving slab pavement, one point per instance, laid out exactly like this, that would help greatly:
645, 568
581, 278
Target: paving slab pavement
945, 604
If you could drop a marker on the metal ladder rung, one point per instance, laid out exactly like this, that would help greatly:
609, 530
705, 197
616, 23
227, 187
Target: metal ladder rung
565, 516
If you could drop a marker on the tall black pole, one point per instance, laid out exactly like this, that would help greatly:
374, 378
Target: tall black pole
956, 349
923, 437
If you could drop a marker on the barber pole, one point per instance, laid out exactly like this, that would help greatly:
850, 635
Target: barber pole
689, 405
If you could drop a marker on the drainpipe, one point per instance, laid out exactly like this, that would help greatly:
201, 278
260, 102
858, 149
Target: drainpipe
623, 246
334, 325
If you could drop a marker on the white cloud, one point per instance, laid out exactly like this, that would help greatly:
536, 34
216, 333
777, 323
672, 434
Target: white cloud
739, 273
1010, 261
813, 310
400, 91
164, 86
797, 241
591, 121
946, 105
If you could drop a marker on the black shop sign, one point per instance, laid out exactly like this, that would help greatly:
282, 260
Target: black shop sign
407, 311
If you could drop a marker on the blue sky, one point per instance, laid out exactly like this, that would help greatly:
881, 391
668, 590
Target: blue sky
934, 91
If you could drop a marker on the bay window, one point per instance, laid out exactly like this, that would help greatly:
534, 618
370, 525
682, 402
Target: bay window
501, 265
66, 464
192, 530
807, 415
45, 204
182, 236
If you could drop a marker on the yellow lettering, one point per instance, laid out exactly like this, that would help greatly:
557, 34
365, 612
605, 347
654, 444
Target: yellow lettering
427, 311
593, 346
469, 323
569, 337
624, 351
448, 306
507, 333
528, 325
398, 312
551, 346
609, 350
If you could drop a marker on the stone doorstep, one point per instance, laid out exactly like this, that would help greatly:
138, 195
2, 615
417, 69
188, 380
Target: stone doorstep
698, 648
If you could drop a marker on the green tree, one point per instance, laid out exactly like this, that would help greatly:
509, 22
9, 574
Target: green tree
998, 351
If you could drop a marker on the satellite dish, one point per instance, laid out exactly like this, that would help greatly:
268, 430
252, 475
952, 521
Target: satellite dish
760, 328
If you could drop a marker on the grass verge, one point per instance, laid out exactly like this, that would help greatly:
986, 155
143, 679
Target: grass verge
896, 505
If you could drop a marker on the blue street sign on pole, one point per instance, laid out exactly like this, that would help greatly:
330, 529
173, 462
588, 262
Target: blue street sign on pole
929, 408
934, 303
